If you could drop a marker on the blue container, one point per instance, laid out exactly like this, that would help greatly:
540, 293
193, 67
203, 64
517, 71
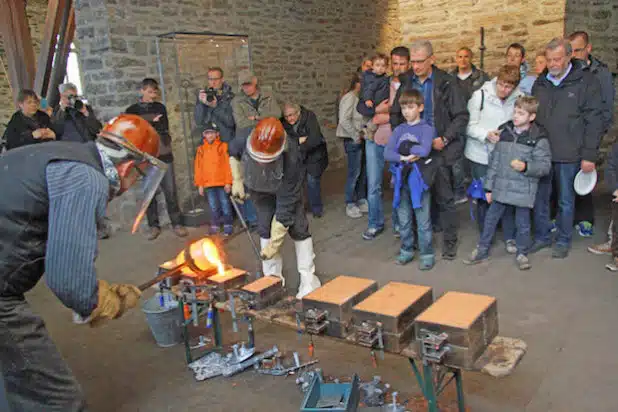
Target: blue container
349, 393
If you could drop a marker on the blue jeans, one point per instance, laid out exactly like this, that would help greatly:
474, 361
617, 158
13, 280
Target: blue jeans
423, 224
564, 177
220, 206
247, 208
356, 182
522, 221
375, 173
479, 171
314, 193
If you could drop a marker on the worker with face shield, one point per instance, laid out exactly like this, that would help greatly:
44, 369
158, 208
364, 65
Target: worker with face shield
53, 197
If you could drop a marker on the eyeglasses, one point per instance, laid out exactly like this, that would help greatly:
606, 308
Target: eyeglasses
213, 79
420, 61
290, 115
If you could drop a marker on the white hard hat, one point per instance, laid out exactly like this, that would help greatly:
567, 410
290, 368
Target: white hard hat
584, 182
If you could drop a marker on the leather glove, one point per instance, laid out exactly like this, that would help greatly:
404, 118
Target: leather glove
114, 300
238, 185
277, 235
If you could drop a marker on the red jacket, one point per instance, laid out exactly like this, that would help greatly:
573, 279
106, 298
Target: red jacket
212, 165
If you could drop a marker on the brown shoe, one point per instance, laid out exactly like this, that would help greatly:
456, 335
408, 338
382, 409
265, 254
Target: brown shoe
601, 249
180, 231
153, 233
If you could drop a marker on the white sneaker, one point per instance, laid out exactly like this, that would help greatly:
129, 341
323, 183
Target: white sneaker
353, 211
363, 206
601, 249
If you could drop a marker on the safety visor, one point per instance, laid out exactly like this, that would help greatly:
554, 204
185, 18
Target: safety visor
136, 169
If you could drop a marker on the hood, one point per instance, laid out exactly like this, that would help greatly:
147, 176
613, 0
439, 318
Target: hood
227, 90
576, 73
596, 64
489, 88
524, 68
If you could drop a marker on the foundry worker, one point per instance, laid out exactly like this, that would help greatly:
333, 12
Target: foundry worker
49, 224
274, 174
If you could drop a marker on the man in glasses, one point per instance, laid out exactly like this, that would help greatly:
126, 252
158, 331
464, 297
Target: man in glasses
49, 218
214, 105
445, 110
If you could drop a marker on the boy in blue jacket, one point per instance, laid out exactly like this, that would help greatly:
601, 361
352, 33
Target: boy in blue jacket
408, 149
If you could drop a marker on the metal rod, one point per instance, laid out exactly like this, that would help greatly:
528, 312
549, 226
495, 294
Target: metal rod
161, 277
244, 224
461, 403
418, 375
432, 401
160, 67
482, 49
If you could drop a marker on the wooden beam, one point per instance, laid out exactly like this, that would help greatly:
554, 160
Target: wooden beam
17, 45
59, 71
55, 11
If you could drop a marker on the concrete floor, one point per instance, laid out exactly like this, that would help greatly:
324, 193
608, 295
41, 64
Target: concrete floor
562, 309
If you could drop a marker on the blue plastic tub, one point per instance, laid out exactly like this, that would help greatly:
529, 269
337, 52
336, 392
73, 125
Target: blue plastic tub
349, 393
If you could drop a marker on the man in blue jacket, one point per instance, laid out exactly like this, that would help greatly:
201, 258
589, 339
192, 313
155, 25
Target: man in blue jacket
214, 104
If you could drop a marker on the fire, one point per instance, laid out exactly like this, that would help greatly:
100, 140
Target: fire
212, 254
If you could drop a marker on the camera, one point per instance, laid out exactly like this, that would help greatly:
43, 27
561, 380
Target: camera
211, 94
76, 102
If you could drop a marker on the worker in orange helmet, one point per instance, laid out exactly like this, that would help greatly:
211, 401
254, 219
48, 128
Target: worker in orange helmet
53, 196
274, 173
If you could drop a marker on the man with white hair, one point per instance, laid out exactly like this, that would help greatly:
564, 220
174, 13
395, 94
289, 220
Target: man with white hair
74, 119
445, 110
571, 110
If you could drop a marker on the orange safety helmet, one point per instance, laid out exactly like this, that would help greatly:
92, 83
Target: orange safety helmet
132, 129
267, 140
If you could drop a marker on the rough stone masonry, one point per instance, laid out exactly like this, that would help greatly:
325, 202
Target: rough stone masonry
304, 51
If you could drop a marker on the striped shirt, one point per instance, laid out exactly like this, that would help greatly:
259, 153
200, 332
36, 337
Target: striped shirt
78, 197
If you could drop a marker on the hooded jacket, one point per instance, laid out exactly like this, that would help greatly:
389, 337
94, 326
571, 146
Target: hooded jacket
243, 108
313, 152
212, 165
471, 84
450, 113
487, 113
19, 130
572, 114
222, 114
508, 185
604, 76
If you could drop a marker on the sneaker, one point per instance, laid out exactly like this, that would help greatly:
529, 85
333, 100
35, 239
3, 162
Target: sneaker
153, 233
601, 249
449, 251
537, 246
554, 228
228, 230
477, 256
511, 247
363, 206
180, 231
372, 233
460, 200
317, 215
522, 262
426, 262
404, 258
396, 233
613, 265
584, 229
353, 211
560, 252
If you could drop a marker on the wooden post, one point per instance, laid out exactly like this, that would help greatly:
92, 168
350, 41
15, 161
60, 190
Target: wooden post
67, 31
55, 12
17, 44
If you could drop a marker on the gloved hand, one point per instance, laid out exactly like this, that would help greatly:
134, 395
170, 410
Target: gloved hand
238, 185
277, 235
114, 300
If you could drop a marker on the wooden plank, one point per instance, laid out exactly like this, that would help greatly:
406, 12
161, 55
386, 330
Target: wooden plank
227, 276
55, 10
17, 44
340, 290
261, 284
393, 299
59, 70
456, 309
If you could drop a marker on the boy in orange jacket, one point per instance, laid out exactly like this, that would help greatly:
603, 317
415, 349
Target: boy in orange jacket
213, 175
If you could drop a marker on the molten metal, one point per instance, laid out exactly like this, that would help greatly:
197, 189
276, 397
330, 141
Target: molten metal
205, 255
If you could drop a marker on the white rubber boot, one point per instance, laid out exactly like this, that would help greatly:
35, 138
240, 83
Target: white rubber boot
274, 266
306, 267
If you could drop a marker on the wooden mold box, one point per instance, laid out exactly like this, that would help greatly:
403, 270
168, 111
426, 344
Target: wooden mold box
470, 320
338, 297
396, 305
263, 292
230, 279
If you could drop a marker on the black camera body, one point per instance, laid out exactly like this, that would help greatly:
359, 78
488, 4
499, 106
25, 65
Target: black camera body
76, 103
211, 94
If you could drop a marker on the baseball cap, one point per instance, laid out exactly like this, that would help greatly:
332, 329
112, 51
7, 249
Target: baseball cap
245, 76
210, 127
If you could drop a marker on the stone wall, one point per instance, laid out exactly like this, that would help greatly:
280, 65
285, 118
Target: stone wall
600, 19
36, 11
450, 24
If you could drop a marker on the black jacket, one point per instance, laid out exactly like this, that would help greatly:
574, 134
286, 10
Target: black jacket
149, 111
314, 152
19, 130
611, 170
572, 114
71, 125
222, 114
472, 83
450, 113
604, 76
24, 210
375, 88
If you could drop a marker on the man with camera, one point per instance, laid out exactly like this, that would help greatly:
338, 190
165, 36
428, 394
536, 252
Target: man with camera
73, 119
214, 104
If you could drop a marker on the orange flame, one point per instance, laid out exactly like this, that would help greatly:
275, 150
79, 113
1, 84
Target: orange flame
205, 255
212, 254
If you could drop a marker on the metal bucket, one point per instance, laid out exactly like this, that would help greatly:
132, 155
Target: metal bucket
164, 321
